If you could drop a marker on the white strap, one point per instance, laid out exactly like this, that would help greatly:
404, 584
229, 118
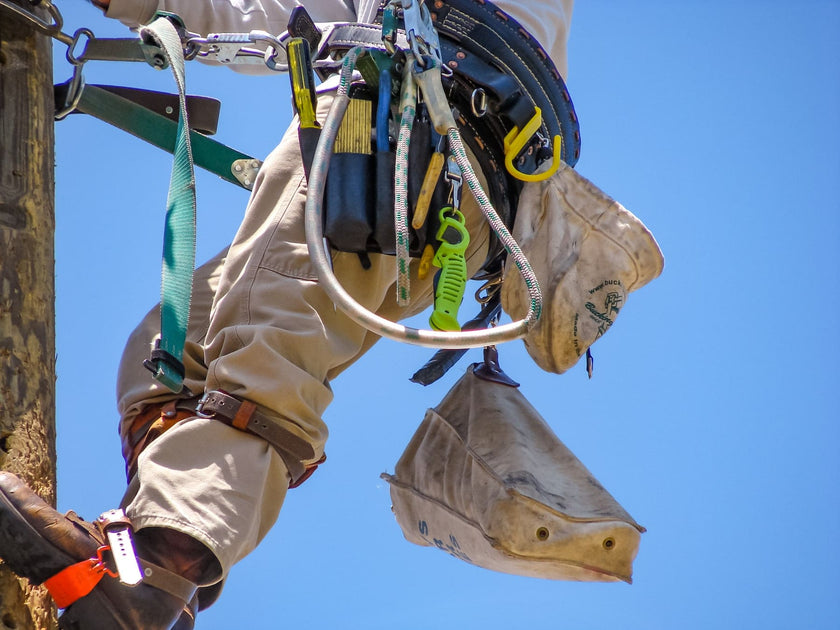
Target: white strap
366, 10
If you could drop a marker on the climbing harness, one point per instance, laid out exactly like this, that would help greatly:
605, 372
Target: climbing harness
423, 54
441, 80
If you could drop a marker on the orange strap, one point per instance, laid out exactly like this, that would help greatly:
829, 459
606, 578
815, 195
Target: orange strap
243, 415
75, 581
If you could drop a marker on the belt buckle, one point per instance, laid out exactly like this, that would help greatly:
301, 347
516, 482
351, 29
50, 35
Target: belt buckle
199, 407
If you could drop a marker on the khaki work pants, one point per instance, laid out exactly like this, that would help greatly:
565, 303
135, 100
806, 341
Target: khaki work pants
262, 329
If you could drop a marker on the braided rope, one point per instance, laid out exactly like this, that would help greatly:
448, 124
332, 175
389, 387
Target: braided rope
348, 64
495, 221
408, 101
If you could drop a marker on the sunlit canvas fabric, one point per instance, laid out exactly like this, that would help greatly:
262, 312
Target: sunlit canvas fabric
588, 253
485, 479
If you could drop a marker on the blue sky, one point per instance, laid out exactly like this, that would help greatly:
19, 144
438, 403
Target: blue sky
711, 415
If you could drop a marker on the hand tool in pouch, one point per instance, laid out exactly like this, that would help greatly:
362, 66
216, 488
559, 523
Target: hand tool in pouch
304, 98
348, 198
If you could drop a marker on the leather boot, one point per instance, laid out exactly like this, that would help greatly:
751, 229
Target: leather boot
37, 542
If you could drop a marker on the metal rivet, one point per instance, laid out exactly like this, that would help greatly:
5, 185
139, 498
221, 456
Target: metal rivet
461, 55
453, 64
169, 109
609, 544
542, 533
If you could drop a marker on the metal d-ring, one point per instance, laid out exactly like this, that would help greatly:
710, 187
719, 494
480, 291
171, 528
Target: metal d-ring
478, 102
71, 47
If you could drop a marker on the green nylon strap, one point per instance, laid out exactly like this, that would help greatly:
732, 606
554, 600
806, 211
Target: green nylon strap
179, 233
160, 131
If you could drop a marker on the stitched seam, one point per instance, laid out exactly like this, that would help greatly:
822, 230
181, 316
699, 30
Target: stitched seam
464, 20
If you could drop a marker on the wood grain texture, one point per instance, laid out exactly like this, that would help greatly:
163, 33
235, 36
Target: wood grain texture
27, 289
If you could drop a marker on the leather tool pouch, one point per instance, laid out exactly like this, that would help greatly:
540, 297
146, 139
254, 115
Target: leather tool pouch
348, 211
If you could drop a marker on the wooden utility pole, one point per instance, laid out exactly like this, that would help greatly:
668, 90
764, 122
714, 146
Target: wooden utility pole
27, 289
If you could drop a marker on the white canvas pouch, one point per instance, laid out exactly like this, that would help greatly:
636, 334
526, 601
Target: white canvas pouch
588, 253
485, 479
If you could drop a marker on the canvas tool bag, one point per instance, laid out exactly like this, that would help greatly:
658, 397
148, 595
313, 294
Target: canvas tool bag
485, 479
588, 253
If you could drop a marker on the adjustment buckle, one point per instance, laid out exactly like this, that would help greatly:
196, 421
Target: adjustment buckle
199, 406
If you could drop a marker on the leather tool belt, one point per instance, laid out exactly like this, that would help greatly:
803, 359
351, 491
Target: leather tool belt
156, 419
497, 75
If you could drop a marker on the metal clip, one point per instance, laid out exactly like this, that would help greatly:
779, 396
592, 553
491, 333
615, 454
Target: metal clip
478, 102
234, 48
421, 34
71, 56
389, 28
453, 176
74, 93
227, 48
489, 290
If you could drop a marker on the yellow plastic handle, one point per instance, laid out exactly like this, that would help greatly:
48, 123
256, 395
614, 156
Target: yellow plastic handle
516, 140
303, 89
424, 199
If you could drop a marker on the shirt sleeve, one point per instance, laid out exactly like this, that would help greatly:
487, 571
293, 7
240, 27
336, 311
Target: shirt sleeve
547, 22
230, 16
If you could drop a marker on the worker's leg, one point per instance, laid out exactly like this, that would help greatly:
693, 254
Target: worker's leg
204, 494
274, 338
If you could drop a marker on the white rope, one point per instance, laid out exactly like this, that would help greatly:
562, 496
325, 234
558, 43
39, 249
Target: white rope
408, 101
499, 227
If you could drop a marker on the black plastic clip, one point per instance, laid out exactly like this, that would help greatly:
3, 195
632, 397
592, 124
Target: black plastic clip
158, 356
490, 369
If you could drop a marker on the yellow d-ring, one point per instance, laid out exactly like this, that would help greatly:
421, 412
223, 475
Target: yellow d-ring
516, 140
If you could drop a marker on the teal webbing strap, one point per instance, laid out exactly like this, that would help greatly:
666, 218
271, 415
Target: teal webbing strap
161, 132
179, 234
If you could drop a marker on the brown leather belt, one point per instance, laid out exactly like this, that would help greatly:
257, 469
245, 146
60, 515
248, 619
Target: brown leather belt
243, 415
